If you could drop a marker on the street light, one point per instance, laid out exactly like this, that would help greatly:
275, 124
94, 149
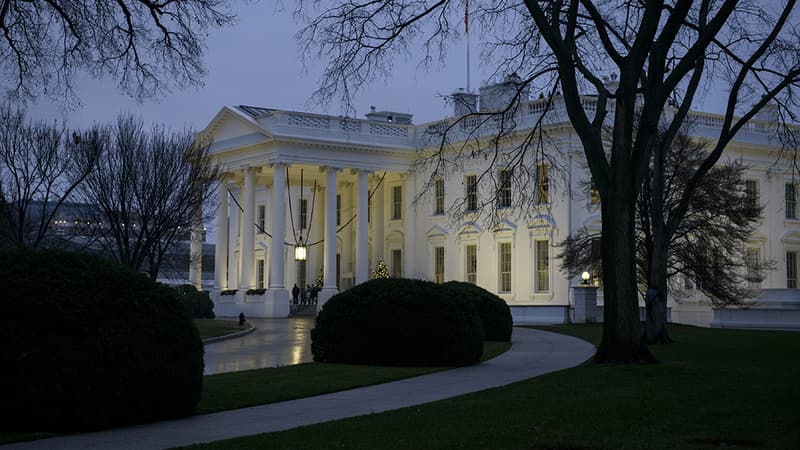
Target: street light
586, 276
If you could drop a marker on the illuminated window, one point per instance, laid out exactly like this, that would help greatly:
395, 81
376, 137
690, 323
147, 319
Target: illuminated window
542, 266
542, 183
472, 264
438, 264
505, 267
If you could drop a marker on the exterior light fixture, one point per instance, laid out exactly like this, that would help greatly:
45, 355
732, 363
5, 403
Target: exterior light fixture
585, 276
300, 250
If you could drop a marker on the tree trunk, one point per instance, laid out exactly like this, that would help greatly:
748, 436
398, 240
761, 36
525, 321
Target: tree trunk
622, 332
622, 335
655, 330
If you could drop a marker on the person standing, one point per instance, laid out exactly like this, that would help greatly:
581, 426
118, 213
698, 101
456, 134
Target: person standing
295, 293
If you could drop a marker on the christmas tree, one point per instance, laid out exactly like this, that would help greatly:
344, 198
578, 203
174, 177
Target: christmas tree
381, 271
320, 280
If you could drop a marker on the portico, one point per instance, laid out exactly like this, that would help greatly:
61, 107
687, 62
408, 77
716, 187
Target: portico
278, 191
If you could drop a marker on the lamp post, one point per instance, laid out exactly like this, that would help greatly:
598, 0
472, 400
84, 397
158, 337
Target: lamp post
300, 250
585, 277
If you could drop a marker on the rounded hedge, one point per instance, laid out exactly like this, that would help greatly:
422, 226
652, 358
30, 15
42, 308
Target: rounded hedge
398, 322
197, 304
87, 344
494, 311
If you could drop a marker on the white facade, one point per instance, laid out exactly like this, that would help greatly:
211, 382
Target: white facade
371, 162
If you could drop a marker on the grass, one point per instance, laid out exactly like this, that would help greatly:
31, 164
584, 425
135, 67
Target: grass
209, 328
713, 389
234, 390
261, 386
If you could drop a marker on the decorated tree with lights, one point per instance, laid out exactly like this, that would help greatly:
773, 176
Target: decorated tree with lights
381, 271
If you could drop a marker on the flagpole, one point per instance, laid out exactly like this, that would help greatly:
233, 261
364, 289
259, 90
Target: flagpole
466, 29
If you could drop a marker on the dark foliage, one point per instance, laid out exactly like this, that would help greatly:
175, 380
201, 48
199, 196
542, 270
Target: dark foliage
87, 344
494, 311
196, 303
398, 322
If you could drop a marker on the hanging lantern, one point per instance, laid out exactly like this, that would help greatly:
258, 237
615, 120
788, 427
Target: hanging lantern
300, 250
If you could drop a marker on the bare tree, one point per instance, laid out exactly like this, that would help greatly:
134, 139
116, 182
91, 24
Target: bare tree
40, 168
662, 53
147, 46
707, 249
148, 186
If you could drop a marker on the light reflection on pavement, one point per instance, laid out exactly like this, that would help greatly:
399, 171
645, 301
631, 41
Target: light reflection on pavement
274, 343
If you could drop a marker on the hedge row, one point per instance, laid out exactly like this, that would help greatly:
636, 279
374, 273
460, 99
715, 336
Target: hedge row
87, 344
410, 323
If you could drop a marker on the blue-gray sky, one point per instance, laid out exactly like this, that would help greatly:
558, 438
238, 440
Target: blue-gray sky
256, 62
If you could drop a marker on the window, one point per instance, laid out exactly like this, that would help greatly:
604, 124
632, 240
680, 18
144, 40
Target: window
791, 270
542, 183
338, 270
301, 274
471, 182
504, 189
791, 201
397, 263
369, 206
542, 266
472, 264
751, 193
303, 213
338, 210
438, 264
751, 260
505, 267
397, 203
261, 217
259, 274
439, 188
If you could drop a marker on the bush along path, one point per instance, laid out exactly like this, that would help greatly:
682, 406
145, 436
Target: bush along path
533, 353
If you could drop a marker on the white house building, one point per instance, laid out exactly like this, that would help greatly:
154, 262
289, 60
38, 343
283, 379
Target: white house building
356, 205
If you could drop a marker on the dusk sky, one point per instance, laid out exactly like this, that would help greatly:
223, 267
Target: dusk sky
256, 62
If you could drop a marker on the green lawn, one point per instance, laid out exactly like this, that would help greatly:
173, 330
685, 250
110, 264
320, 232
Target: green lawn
714, 389
257, 387
261, 386
209, 328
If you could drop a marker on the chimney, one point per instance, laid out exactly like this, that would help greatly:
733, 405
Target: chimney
464, 103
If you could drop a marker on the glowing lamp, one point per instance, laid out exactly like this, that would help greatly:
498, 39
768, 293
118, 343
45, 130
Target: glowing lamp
586, 276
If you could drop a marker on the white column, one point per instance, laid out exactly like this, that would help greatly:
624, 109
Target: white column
329, 273
277, 270
196, 251
247, 269
362, 249
234, 232
378, 224
221, 229
409, 228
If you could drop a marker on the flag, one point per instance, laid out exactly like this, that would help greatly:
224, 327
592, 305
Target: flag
466, 17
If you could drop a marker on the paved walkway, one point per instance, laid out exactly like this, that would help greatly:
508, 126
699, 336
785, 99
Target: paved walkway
533, 353
275, 342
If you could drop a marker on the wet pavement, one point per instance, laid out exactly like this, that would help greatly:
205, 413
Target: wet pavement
274, 343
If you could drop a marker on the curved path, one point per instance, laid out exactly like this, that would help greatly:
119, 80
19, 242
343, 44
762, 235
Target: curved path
533, 353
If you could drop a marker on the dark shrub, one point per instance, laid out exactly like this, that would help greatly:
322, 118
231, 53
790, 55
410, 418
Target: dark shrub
495, 313
85, 343
196, 303
397, 322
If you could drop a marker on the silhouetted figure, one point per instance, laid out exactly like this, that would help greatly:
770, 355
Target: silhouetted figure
241, 319
295, 293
